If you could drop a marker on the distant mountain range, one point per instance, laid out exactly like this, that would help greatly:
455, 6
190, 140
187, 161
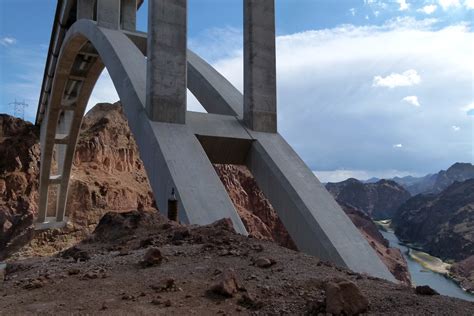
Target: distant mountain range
379, 200
434, 183
440, 223
438, 217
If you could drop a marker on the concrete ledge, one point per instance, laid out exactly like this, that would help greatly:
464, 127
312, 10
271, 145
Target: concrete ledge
51, 223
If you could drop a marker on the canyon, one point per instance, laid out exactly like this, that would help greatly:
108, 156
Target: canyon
439, 220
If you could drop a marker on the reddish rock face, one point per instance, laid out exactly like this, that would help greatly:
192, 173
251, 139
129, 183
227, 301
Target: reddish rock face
392, 257
257, 214
19, 169
107, 175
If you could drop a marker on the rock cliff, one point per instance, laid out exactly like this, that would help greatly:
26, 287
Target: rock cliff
392, 257
19, 169
259, 217
379, 200
107, 175
463, 272
441, 224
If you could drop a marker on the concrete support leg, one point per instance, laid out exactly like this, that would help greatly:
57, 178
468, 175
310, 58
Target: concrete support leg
86, 9
108, 13
314, 220
64, 142
47, 132
180, 162
259, 66
128, 14
166, 63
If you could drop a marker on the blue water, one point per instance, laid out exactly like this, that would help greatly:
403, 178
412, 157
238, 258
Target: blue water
422, 276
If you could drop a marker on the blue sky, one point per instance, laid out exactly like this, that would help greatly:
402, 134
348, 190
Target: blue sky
365, 87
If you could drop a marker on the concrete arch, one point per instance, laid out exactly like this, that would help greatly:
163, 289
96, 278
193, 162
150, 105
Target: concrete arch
127, 67
174, 155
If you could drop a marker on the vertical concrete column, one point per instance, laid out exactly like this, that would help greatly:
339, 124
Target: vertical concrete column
64, 127
108, 13
85, 9
260, 65
166, 63
128, 13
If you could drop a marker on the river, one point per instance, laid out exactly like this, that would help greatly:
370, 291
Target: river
423, 276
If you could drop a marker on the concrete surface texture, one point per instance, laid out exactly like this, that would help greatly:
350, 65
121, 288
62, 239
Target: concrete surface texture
166, 66
260, 65
108, 13
179, 147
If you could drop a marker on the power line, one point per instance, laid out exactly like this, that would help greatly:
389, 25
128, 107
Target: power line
19, 108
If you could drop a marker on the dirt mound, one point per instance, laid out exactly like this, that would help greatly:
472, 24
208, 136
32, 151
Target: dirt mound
201, 271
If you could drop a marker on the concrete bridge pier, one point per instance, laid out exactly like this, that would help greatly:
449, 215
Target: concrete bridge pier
260, 66
128, 15
86, 9
167, 64
108, 13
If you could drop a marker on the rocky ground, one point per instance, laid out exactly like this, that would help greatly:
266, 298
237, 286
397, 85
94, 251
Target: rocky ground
139, 263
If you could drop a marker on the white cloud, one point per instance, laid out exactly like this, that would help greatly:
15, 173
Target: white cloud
397, 146
353, 11
456, 128
468, 109
429, 9
403, 5
325, 95
407, 78
469, 4
7, 41
412, 99
446, 4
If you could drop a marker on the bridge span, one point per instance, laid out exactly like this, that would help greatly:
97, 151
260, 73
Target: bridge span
151, 73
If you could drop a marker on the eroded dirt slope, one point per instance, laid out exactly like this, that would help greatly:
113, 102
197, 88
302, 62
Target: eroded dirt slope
139, 263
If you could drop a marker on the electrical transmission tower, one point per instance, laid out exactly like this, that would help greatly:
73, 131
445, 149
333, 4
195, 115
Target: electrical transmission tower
19, 108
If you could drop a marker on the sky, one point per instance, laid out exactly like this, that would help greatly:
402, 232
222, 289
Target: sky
366, 88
